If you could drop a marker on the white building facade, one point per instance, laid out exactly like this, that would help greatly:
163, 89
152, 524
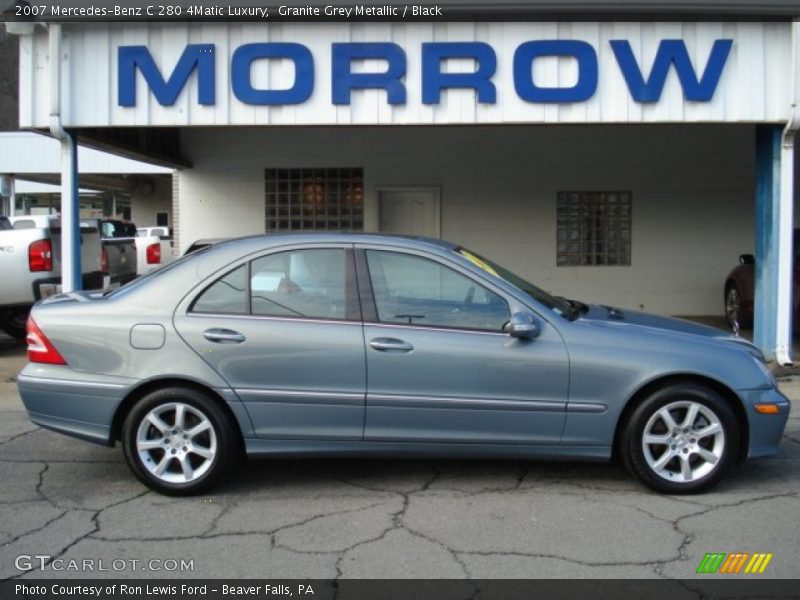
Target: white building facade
614, 162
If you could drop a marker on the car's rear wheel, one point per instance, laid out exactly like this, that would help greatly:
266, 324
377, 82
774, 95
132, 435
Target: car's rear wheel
734, 314
178, 441
681, 439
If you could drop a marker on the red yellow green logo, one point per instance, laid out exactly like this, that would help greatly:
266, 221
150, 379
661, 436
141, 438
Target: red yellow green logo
734, 563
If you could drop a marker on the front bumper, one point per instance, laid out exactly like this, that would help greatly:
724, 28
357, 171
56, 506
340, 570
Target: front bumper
765, 430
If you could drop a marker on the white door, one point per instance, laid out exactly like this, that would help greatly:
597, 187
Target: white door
409, 211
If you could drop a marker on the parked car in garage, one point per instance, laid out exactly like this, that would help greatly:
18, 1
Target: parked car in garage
30, 265
373, 345
202, 243
740, 291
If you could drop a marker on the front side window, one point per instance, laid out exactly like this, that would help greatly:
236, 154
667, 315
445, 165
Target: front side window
301, 283
417, 291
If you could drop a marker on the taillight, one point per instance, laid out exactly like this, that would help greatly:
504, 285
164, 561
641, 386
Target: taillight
154, 254
103, 260
40, 256
40, 350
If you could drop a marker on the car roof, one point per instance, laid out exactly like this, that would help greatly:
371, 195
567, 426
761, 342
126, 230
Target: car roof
294, 237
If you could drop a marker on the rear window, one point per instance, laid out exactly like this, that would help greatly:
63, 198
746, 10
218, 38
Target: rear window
25, 224
116, 229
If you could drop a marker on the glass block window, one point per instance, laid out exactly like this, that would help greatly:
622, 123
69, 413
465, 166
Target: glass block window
314, 199
593, 228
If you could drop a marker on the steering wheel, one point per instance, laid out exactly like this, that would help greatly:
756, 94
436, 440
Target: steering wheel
469, 297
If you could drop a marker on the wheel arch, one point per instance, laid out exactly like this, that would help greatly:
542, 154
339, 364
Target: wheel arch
653, 386
146, 387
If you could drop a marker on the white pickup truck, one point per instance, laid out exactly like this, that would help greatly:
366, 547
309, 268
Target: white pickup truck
30, 265
154, 248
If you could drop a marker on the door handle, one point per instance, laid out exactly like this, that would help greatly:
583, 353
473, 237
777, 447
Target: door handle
390, 345
223, 336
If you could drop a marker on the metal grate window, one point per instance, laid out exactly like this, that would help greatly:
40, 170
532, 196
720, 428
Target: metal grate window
314, 199
593, 228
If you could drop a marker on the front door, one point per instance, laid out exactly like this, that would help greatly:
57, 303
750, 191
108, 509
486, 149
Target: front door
440, 367
284, 331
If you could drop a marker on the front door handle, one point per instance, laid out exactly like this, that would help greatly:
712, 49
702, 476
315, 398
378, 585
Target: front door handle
223, 336
390, 345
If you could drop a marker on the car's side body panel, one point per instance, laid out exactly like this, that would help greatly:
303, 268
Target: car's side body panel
303, 382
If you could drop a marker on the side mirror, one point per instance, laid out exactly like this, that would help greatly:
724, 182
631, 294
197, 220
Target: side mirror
747, 259
523, 325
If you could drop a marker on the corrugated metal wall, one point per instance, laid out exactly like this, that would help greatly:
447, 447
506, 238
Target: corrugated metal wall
754, 85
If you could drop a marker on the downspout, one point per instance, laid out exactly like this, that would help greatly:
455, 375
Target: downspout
783, 324
70, 210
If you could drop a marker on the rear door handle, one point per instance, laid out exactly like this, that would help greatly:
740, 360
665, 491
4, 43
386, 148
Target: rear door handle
223, 336
390, 345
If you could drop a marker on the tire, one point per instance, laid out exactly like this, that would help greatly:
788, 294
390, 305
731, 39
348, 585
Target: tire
161, 449
16, 324
661, 462
733, 308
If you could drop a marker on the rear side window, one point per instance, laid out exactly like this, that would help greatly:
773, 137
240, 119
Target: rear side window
316, 283
300, 283
227, 295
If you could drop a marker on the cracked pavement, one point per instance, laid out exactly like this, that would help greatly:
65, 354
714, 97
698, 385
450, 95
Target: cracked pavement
382, 519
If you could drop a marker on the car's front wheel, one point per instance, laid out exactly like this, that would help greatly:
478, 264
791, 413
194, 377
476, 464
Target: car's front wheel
681, 439
178, 441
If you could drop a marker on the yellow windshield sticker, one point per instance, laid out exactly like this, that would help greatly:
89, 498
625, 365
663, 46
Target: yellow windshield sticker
482, 264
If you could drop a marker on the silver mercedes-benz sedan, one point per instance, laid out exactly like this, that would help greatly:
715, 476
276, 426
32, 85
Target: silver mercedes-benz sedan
370, 345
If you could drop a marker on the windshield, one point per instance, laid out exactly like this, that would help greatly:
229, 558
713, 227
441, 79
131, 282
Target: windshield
557, 305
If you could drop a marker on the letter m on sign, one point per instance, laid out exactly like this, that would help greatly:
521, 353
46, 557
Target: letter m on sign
198, 57
672, 53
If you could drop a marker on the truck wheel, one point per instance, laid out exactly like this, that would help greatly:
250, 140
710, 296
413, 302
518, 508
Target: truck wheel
15, 325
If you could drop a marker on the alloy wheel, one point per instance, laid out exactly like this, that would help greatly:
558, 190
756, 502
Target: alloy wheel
683, 441
733, 306
176, 442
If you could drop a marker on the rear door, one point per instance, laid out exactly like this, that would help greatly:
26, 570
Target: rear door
284, 330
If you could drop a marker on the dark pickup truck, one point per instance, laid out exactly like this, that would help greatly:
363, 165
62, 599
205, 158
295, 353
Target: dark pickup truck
119, 251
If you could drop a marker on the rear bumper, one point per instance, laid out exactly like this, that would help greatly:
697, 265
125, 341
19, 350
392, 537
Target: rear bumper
765, 430
57, 399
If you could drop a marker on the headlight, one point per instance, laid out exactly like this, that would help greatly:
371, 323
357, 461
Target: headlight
758, 358
766, 370
750, 347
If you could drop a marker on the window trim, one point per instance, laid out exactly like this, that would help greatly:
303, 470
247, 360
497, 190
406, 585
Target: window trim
352, 303
366, 290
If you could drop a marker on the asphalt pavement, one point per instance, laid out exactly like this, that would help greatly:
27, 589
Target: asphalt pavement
68, 502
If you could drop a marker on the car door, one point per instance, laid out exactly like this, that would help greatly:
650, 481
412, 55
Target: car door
284, 330
439, 366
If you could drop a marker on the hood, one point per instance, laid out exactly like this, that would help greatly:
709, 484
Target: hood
599, 313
